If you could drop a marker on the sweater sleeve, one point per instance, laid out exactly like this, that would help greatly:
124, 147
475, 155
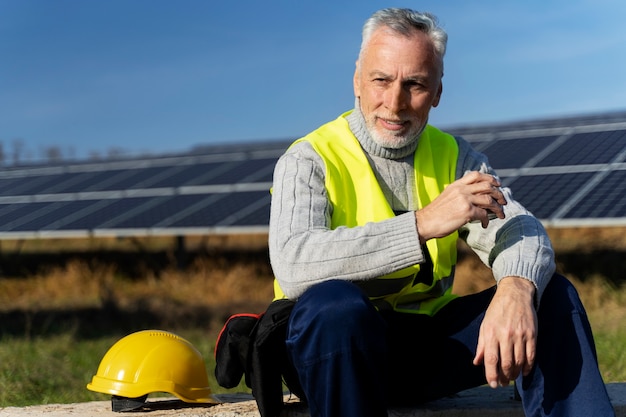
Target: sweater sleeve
303, 248
517, 245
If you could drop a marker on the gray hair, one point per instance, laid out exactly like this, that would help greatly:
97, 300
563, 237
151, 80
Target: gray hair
404, 22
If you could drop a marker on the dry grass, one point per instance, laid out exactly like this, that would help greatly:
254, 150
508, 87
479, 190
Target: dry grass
215, 285
204, 283
74, 285
588, 239
217, 282
201, 295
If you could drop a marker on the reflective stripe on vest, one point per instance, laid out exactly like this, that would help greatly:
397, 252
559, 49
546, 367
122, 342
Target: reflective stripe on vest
357, 198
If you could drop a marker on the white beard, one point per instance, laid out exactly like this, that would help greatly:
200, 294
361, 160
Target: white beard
393, 141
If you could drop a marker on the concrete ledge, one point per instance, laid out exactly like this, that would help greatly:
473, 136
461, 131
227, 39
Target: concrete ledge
477, 402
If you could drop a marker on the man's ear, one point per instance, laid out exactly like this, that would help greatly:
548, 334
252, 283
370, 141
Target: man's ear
438, 96
356, 81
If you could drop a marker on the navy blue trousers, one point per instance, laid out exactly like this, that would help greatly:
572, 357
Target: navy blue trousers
355, 361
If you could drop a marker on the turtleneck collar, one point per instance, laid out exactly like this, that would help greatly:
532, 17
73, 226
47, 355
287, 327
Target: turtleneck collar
356, 121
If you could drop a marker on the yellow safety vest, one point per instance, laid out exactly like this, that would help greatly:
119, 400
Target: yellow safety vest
357, 199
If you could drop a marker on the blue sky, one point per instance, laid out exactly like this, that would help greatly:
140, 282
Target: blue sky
154, 76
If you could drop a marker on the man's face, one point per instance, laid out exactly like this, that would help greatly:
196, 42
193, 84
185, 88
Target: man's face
398, 80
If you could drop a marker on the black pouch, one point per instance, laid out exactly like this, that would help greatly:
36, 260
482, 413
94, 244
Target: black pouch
254, 345
233, 347
270, 366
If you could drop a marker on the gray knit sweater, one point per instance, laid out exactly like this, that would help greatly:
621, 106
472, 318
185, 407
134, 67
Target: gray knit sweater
305, 251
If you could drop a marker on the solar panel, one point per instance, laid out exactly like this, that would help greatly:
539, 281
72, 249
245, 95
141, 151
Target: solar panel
587, 148
24, 186
567, 171
515, 153
544, 194
607, 199
221, 189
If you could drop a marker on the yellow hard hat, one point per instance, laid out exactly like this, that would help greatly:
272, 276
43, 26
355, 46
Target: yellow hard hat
153, 361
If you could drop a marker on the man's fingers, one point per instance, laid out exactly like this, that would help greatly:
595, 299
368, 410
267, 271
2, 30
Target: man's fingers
530, 357
492, 369
512, 358
485, 193
504, 361
489, 203
489, 361
476, 176
478, 358
489, 354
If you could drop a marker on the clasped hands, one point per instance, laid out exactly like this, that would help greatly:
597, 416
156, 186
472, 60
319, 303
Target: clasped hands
470, 198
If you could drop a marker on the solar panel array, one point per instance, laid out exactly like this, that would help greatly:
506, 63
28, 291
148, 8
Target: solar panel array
222, 190
568, 172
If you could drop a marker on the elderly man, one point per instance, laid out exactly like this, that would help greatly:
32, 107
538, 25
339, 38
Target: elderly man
366, 214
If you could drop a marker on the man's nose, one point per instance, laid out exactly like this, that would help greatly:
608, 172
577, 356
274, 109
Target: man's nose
396, 97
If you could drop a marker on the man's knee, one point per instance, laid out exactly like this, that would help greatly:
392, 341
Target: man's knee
336, 302
560, 298
334, 312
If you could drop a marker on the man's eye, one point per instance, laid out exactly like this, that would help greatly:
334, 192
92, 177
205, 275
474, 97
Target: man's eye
415, 85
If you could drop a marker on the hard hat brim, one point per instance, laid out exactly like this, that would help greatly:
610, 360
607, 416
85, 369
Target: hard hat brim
137, 390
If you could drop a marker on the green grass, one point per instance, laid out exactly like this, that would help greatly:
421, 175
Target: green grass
47, 370
611, 347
